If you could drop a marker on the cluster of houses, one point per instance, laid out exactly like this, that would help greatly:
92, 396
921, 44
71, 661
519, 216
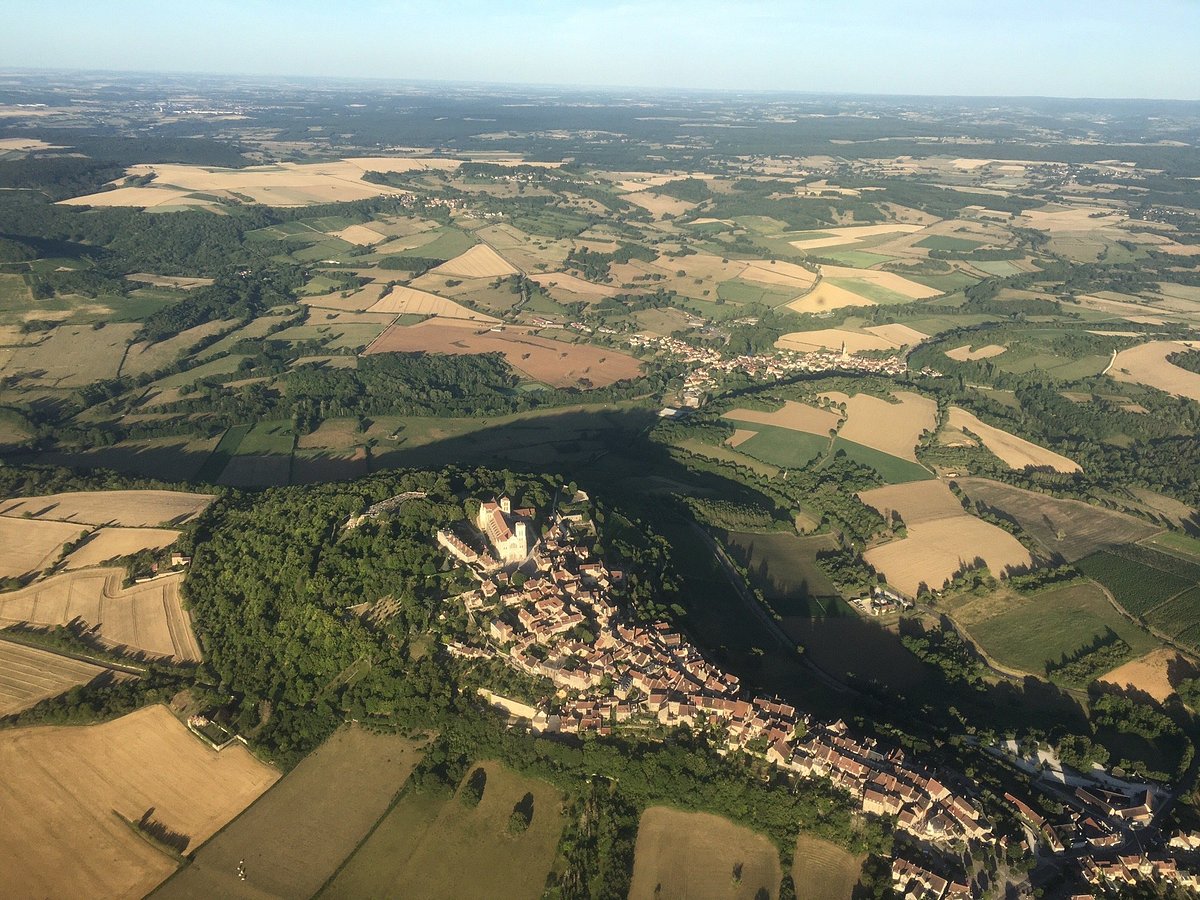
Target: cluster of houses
548, 608
912, 880
708, 364
557, 619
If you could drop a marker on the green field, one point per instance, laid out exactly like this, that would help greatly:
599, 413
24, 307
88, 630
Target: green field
870, 290
859, 259
782, 447
738, 291
1179, 617
943, 242
1139, 586
1055, 624
217, 460
268, 438
1183, 545
892, 469
784, 567
432, 844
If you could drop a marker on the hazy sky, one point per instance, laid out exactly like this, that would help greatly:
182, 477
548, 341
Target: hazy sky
1094, 48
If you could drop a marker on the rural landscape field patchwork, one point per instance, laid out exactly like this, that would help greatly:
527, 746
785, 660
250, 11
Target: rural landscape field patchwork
538, 493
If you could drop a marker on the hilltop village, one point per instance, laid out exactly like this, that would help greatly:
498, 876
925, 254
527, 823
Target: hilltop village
550, 608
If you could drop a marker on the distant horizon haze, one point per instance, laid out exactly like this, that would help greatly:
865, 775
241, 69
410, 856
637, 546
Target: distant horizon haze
1055, 49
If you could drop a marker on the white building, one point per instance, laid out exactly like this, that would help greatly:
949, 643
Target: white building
507, 533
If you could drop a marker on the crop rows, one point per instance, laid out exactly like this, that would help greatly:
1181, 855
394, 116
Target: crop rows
1137, 587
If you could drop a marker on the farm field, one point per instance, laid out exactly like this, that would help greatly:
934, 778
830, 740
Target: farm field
299, 832
108, 543
1027, 632
544, 360
894, 428
784, 567
824, 871
1071, 529
1016, 452
147, 617
29, 545
682, 854
403, 300
854, 234
792, 415
481, 261
29, 675
1157, 673
72, 356
1147, 364
783, 447
966, 352
131, 509
69, 786
432, 845
942, 538
892, 469
1139, 578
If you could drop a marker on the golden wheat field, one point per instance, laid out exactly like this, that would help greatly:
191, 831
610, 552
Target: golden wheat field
894, 428
942, 540
965, 353
481, 261
148, 618
132, 509
1016, 452
792, 415
1147, 364
69, 787
681, 854
29, 675
104, 544
28, 545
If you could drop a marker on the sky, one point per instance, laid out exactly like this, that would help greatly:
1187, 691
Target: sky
1060, 48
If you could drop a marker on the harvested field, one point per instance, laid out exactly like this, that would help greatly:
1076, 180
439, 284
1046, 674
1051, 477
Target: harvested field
1071, 529
1147, 364
837, 237
824, 871
778, 272
72, 356
681, 854
942, 539
792, 415
142, 357
431, 845
405, 300
1016, 452
965, 353
550, 362
481, 261
894, 428
75, 782
360, 235
296, 835
887, 281
826, 297
359, 300
133, 509
146, 617
740, 436
108, 543
574, 285
29, 675
835, 340
27, 545
900, 335
659, 205
170, 281
283, 184
1157, 673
